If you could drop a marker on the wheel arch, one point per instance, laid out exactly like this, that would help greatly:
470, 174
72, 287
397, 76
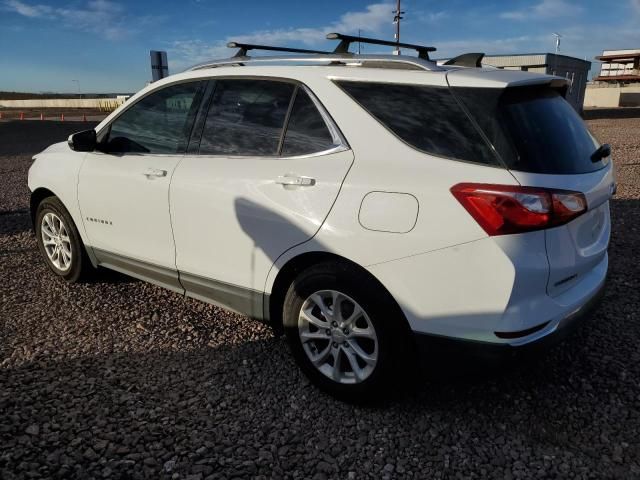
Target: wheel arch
37, 196
297, 264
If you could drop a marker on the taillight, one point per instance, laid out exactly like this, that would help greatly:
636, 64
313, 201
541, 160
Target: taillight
505, 209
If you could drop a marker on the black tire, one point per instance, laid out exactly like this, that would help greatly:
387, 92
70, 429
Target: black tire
80, 266
389, 325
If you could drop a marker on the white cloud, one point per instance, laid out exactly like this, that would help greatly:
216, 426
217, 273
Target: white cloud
103, 17
369, 20
184, 53
545, 9
32, 11
635, 4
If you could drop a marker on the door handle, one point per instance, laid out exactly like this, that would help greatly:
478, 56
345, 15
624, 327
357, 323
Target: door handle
155, 172
295, 181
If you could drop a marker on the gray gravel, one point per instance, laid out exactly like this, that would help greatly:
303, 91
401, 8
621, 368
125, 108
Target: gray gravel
120, 379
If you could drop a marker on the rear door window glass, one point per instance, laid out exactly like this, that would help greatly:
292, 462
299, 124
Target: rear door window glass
534, 129
427, 118
306, 131
158, 123
246, 117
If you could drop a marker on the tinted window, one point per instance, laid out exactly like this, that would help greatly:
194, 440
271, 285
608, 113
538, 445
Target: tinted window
158, 123
534, 129
246, 117
306, 131
427, 118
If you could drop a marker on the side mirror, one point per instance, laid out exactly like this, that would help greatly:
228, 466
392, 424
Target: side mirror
84, 141
602, 152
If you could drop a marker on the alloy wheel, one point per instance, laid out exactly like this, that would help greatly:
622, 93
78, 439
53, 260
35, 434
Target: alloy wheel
56, 241
338, 336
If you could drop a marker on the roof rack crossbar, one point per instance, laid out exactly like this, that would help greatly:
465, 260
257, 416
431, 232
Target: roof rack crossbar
245, 47
347, 40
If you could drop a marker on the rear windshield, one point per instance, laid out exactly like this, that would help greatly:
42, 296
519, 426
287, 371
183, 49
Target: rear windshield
534, 129
425, 117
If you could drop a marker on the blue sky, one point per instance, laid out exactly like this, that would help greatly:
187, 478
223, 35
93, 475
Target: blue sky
104, 44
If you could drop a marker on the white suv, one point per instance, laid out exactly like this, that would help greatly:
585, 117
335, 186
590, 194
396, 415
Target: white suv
368, 205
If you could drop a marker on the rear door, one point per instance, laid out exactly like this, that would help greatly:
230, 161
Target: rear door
265, 167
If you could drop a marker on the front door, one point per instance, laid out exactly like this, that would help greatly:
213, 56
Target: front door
123, 190
269, 166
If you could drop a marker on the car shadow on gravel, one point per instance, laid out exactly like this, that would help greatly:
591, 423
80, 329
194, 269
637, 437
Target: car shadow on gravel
215, 409
14, 221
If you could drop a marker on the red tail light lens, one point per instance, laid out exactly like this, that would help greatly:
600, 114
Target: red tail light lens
506, 209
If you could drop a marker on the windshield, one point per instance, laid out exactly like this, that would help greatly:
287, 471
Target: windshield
534, 129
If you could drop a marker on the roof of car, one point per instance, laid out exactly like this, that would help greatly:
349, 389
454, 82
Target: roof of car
374, 68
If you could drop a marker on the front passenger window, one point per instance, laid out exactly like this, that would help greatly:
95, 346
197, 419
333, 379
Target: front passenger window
158, 123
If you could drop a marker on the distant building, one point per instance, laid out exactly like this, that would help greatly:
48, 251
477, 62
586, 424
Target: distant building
574, 69
619, 66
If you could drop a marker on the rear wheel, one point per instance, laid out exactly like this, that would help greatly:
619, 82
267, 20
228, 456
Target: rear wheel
343, 332
59, 241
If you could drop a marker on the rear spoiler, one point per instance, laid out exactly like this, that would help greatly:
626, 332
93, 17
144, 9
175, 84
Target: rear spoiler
472, 60
490, 78
561, 85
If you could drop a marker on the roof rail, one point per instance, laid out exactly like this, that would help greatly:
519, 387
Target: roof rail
347, 40
466, 60
245, 47
331, 59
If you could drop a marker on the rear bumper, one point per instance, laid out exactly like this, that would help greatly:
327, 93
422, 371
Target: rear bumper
435, 346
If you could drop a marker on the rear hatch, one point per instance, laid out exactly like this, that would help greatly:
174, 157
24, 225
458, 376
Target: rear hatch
545, 143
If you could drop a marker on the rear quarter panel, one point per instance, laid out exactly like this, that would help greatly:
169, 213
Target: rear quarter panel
384, 163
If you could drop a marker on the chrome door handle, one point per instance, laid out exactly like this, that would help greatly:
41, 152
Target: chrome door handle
155, 172
295, 181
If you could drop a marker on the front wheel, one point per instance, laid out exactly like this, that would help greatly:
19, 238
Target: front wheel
59, 241
343, 332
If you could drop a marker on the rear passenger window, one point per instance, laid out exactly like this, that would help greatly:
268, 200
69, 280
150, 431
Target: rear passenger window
246, 117
306, 131
427, 118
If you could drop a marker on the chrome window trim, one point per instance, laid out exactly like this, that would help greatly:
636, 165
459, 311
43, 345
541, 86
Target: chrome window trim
336, 149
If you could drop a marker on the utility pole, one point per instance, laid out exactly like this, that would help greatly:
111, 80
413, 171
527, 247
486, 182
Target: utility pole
396, 20
555, 60
558, 37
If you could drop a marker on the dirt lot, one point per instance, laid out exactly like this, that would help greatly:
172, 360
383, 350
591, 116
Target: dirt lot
120, 379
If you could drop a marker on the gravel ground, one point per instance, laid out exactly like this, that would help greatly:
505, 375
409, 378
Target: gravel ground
121, 379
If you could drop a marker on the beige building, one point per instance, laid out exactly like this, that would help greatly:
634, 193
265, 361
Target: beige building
618, 83
619, 66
